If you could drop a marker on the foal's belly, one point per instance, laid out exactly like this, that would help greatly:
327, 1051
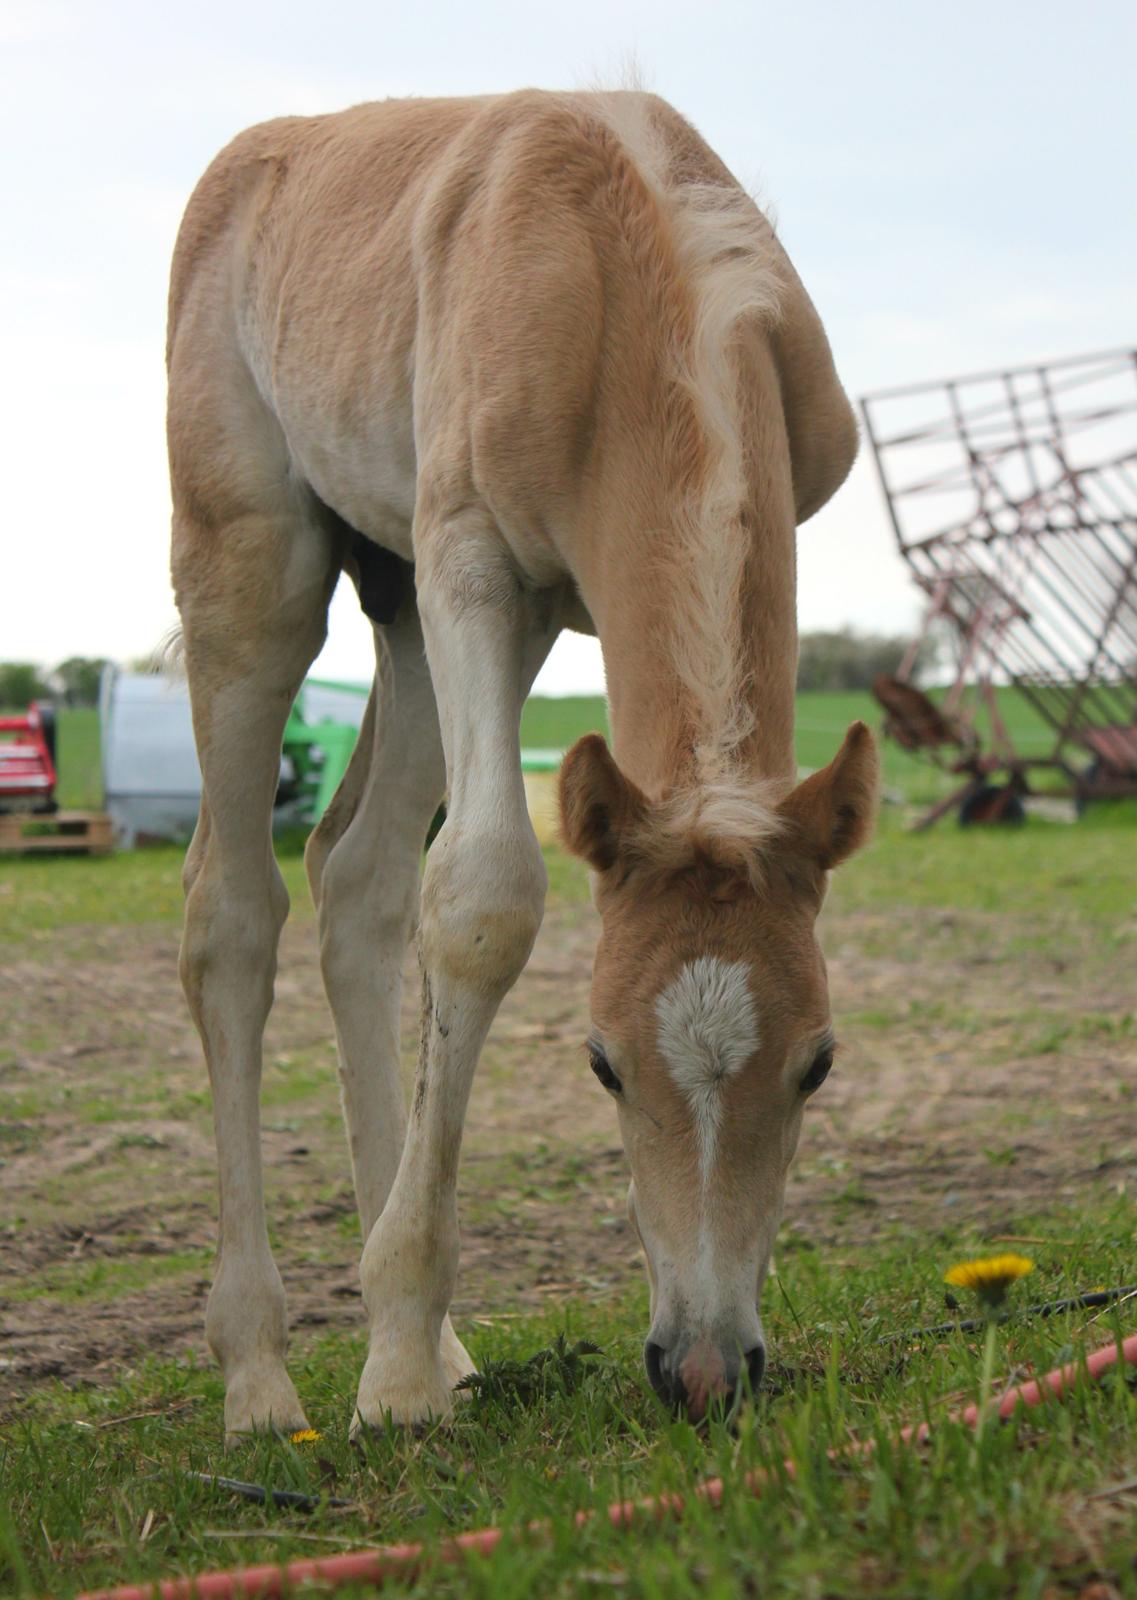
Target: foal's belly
341, 390
366, 475
348, 420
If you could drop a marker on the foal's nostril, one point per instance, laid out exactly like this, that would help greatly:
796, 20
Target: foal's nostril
755, 1366
653, 1361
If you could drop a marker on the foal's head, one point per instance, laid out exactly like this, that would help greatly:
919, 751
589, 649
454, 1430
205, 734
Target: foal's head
710, 1030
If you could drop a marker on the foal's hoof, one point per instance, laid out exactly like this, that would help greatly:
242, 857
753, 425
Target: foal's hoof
457, 1362
364, 1429
410, 1399
361, 1433
270, 1428
267, 1405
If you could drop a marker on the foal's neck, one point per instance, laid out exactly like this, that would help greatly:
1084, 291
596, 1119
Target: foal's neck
684, 715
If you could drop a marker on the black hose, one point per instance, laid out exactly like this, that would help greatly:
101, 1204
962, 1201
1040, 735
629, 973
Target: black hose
277, 1497
1078, 1302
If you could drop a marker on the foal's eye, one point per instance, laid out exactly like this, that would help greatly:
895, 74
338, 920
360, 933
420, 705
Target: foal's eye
818, 1072
598, 1061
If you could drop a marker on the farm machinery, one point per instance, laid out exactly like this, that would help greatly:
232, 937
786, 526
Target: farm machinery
27, 761
317, 749
30, 818
1013, 498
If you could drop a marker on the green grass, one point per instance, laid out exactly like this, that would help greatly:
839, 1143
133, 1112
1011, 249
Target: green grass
1048, 870
823, 717
105, 1280
84, 1477
39, 895
80, 786
1042, 870
554, 724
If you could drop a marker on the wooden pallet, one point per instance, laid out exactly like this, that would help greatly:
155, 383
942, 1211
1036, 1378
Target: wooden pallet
89, 832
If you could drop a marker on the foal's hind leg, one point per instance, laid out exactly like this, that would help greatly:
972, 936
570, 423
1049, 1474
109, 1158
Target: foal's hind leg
363, 865
253, 596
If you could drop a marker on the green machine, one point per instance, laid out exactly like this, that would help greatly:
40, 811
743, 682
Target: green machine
318, 745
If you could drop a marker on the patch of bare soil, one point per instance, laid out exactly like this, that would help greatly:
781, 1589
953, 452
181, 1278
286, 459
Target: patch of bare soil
980, 1078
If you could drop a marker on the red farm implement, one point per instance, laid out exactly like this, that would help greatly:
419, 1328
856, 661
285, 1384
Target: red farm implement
1013, 497
27, 761
30, 821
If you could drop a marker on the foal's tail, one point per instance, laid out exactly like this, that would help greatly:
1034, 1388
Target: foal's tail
168, 657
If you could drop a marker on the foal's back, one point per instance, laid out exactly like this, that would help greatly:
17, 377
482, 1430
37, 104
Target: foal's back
413, 288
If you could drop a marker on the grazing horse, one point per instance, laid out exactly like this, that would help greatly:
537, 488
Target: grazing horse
516, 364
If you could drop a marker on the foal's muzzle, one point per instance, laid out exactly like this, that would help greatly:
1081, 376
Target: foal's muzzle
692, 1377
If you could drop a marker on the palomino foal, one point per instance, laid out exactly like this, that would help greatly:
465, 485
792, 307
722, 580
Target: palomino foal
516, 364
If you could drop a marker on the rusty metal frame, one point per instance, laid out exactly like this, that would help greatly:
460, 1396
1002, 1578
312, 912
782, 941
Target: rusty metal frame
1013, 499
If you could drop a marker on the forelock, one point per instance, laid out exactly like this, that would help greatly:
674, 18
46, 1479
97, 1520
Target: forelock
735, 827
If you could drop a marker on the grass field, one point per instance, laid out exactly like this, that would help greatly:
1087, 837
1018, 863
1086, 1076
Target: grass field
985, 1098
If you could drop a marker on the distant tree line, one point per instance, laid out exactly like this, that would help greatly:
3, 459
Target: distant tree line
74, 682
846, 659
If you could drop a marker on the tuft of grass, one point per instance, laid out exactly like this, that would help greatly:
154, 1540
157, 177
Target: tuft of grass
559, 1369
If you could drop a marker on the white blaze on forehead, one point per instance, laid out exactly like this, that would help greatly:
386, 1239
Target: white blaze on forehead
708, 1029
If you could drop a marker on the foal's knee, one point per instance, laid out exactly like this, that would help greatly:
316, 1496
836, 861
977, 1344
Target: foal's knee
231, 930
483, 895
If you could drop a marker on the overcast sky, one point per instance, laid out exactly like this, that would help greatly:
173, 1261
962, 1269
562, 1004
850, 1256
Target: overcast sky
956, 185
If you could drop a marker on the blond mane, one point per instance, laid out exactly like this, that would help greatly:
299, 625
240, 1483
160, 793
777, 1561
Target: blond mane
729, 266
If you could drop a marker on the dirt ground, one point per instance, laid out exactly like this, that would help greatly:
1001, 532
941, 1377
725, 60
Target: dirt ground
982, 1078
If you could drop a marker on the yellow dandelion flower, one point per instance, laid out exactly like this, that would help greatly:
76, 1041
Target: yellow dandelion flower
304, 1436
990, 1277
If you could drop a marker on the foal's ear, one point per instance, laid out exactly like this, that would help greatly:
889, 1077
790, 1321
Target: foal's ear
834, 809
599, 806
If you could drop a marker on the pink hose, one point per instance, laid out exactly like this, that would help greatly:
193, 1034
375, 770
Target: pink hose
403, 1560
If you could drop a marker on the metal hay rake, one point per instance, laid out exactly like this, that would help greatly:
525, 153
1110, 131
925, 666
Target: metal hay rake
1013, 496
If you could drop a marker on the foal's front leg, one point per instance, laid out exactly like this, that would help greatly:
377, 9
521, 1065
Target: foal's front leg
482, 898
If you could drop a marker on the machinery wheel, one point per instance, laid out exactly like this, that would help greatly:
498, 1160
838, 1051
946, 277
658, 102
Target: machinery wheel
1091, 776
992, 804
47, 723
